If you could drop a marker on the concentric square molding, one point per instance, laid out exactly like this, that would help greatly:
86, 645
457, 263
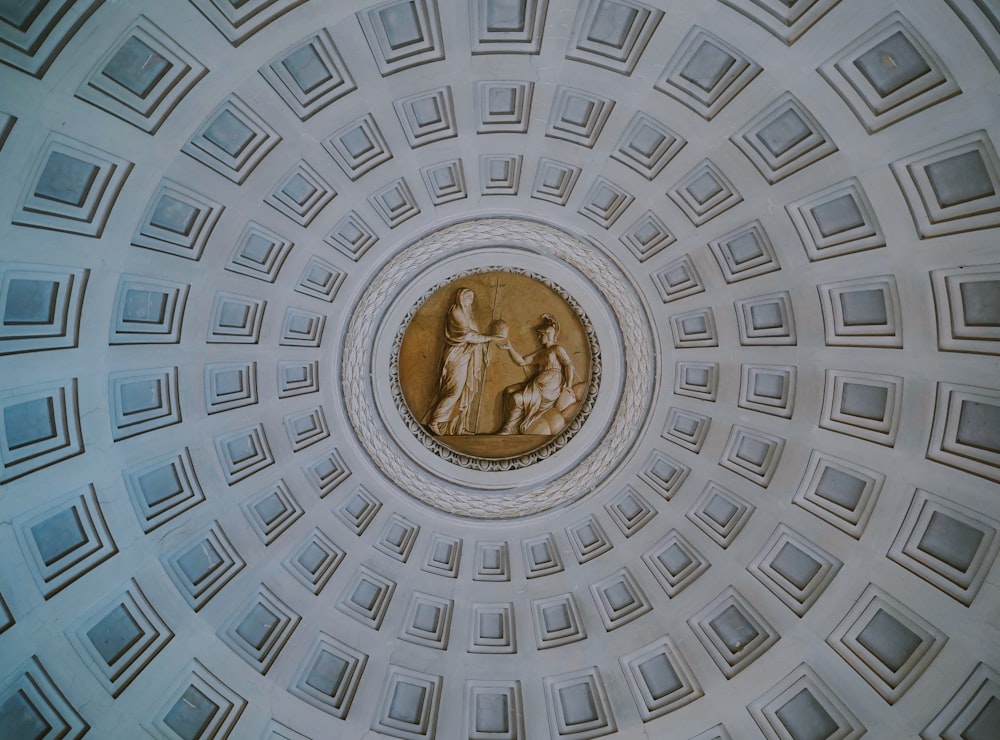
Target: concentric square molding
494, 710
36, 707
272, 511
947, 544
694, 329
966, 429
259, 253
697, 380
619, 599
397, 538
243, 453
557, 621
769, 389
605, 202
310, 75
301, 194
394, 203
502, 27
366, 597
704, 193
41, 426
409, 705
352, 236
578, 116
630, 511
427, 116
785, 20
880, 93
163, 488
71, 187
297, 377
588, 539
147, 310
492, 562
500, 174
329, 676
687, 429
660, 678
612, 33
427, 621
30, 41
233, 140
675, 563
140, 401
177, 221
863, 312
327, 472
41, 306
647, 237
402, 34
541, 556
971, 712
306, 428
836, 220
239, 21
203, 566
720, 513
198, 704
301, 328
678, 279
664, 474
732, 631
752, 454
802, 705
444, 555
888, 644
314, 561
863, 405
64, 540
143, 76
783, 139
578, 705
840, 492
968, 313
445, 181
952, 187
230, 385
358, 147
744, 253
554, 181
503, 106
357, 511
120, 638
492, 628
794, 569
706, 73
260, 629
235, 319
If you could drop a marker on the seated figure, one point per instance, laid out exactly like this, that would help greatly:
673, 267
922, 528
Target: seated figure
551, 388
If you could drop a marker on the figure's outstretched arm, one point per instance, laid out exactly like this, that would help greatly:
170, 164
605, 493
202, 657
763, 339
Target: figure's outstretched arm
514, 355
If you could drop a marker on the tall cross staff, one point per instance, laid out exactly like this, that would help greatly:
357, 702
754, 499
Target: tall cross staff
489, 350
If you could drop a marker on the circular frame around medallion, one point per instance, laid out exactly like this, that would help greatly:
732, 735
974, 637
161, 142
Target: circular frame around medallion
638, 361
499, 463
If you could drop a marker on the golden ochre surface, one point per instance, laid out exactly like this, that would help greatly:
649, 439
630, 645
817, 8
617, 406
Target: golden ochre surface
461, 371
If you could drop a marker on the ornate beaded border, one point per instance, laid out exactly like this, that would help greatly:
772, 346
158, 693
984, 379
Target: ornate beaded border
509, 463
640, 362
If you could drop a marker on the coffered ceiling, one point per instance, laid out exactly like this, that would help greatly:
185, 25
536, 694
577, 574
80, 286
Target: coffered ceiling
780, 519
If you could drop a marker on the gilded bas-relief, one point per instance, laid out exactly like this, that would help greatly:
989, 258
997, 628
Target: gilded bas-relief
495, 364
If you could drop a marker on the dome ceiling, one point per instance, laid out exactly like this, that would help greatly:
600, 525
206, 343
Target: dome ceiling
777, 513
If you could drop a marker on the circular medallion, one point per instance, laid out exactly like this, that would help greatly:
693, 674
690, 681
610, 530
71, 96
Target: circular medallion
498, 364
498, 367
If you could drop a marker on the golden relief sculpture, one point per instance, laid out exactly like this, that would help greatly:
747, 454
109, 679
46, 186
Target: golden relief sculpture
495, 364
